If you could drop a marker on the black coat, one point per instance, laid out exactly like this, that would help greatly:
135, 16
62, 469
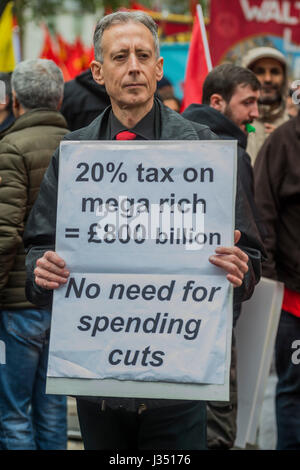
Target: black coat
228, 130
83, 100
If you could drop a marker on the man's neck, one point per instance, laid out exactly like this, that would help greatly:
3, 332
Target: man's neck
130, 116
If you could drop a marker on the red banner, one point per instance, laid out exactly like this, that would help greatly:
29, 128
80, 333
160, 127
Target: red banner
234, 21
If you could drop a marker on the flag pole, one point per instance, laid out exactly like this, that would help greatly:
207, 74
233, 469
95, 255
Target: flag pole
204, 37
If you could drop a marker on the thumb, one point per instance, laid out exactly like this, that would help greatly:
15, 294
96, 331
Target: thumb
237, 236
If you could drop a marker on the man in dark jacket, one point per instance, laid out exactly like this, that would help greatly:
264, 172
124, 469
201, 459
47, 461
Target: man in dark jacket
230, 102
128, 63
277, 193
29, 419
84, 100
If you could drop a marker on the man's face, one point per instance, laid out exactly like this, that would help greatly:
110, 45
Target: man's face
270, 73
242, 108
130, 69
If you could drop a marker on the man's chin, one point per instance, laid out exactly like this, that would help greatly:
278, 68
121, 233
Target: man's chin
269, 98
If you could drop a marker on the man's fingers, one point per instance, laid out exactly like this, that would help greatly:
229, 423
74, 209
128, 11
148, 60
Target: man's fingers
50, 271
237, 236
233, 251
53, 258
44, 265
46, 284
51, 276
230, 264
234, 280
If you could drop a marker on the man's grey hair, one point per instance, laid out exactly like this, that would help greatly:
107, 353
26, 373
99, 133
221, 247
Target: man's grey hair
38, 83
122, 17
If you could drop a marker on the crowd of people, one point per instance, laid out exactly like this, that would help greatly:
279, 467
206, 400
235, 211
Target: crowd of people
124, 95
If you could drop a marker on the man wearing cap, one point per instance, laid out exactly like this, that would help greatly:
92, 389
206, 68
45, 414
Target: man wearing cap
270, 67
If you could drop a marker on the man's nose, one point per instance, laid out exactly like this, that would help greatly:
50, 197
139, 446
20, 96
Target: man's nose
133, 63
267, 76
254, 114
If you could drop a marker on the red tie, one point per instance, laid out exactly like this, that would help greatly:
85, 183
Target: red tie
126, 135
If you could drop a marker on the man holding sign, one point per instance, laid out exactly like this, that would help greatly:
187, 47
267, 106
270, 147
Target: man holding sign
128, 64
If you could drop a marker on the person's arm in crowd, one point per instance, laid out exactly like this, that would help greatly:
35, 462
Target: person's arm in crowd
267, 182
39, 234
13, 205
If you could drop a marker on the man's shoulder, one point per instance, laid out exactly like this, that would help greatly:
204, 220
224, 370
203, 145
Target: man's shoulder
176, 126
287, 131
89, 132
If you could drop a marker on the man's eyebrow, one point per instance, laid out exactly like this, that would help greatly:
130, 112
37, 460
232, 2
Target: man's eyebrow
126, 49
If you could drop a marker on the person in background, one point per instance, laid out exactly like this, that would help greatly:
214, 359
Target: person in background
6, 114
172, 102
230, 102
270, 67
29, 419
83, 101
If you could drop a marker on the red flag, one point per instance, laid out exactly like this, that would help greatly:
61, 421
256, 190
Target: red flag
77, 60
65, 49
198, 63
138, 6
48, 51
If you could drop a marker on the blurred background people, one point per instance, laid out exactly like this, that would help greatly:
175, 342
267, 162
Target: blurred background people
29, 419
83, 101
270, 67
6, 114
277, 190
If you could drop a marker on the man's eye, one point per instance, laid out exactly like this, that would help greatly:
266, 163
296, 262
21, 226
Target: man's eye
259, 71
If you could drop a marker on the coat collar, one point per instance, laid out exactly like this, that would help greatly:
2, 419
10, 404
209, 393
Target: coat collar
173, 126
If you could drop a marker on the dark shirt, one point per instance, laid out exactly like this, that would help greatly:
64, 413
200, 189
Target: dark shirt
146, 129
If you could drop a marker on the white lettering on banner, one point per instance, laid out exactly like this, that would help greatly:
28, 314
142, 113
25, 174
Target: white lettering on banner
270, 10
287, 41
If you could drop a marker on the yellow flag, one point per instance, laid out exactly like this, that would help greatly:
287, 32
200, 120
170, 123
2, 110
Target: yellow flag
7, 58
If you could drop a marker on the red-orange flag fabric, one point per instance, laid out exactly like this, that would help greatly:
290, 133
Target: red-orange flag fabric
198, 63
48, 51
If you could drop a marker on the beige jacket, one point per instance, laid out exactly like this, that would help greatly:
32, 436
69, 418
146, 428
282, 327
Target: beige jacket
256, 139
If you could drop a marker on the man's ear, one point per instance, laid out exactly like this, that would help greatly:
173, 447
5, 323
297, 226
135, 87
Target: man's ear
159, 69
16, 106
96, 69
217, 102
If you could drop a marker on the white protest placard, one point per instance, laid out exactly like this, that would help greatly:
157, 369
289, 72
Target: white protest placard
143, 309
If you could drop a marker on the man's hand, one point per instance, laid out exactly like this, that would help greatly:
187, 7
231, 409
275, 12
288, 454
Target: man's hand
233, 260
50, 272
